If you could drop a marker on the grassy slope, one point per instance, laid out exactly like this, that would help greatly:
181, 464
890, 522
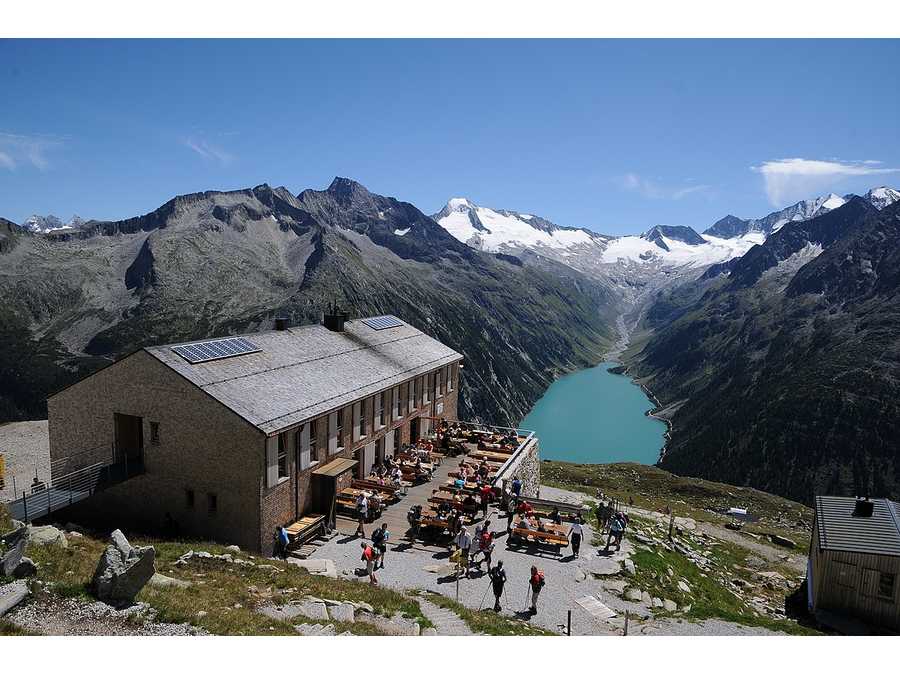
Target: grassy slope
486, 621
653, 488
229, 594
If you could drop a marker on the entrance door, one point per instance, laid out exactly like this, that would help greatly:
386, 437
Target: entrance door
414, 430
368, 458
129, 431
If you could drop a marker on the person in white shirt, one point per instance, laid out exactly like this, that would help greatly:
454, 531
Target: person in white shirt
463, 543
576, 534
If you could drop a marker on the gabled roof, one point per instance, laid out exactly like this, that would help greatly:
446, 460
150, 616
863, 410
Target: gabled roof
840, 530
301, 373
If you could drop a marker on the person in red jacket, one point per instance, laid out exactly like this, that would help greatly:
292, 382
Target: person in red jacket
536, 581
369, 556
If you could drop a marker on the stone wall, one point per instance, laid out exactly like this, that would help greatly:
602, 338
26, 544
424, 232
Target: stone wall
526, 465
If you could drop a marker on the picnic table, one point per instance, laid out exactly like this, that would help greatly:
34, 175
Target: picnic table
437, 499
305, 528
391, 493
489, 455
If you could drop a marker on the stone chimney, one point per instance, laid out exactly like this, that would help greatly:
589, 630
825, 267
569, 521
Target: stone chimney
334, 318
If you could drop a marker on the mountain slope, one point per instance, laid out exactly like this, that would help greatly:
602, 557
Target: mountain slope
782, 369
216, 263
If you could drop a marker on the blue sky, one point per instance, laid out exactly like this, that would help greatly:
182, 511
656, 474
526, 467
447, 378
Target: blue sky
613, 135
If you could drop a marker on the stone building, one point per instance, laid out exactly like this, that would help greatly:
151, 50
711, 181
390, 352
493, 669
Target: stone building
224, 437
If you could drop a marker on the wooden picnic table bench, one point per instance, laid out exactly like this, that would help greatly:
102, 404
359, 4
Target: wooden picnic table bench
437, 500
554, 539
391, 492
305, 528
489, 455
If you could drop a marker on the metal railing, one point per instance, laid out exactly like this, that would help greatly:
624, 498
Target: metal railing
61, 491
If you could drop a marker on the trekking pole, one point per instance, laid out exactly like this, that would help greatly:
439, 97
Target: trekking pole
483, 596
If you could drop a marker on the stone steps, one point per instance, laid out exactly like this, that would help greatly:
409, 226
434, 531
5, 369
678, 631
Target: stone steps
446, 621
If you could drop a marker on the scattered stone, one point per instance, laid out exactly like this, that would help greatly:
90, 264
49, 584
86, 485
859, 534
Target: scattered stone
201, 614
669, 605
782, 541
608, 567
629, 567
25, 568
11, 595
684, 586
162, 581
44, 535
429, 632
122, 571
313, 610
633, 594
686, 608
646, 599
343, 612
233, 548
615, 585
318, 566
657, 602
17, 541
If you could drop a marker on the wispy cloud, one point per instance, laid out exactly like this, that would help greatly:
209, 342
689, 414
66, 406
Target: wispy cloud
795, 178
209, 151
26, 150
654, 190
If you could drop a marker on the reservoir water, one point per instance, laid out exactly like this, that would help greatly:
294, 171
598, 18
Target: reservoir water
594, 417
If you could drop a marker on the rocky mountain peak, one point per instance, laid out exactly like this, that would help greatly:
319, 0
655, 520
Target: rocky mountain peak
347, 191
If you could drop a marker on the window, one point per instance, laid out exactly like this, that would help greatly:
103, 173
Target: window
154, 433
189, 498
395, 403
450, 378
335, 439
282, 456
340, 427
357, 420
212, 502
440, 383
314, 438
379, 410
886, 585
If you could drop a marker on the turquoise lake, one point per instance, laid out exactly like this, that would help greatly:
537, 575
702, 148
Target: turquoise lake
594, 417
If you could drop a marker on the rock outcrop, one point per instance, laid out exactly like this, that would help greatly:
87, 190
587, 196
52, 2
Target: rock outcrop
122, 571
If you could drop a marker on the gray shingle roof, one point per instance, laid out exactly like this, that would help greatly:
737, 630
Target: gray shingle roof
840, 530
303, 372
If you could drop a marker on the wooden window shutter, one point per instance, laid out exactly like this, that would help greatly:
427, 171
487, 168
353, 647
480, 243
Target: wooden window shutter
395, 399
272, 461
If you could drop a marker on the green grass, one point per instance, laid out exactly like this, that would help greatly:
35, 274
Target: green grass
709, 598
229, 594
486, 621
9, 628
5, 519
654, 489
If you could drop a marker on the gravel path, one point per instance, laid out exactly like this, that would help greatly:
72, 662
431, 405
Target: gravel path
69, 616
446, 621
25, 447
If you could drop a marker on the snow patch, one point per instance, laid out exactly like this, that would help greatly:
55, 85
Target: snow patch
402, 232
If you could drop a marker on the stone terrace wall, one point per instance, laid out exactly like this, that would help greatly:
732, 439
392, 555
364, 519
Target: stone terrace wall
526, 464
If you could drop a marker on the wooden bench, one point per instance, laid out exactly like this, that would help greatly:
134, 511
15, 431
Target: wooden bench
521, 536
391, 493
305, 529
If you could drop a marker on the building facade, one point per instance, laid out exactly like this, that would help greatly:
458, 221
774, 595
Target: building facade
226, 445
854, 561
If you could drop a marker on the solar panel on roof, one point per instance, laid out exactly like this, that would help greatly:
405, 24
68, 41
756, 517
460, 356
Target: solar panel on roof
215, 349
382, 322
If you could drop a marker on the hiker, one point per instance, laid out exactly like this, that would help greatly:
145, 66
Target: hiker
463, 542
510, 513
516, 487
616, 531
575, 534
379, 540
486, 543
536, 582
362, 510
281, 543
368, 556
485, 501
498, 580
474, 547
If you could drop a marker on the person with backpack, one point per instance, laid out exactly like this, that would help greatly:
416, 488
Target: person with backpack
463, 542
536, 583
368, 557
379, 541
362, 511
616, 531
282, 540
498, 581
486, 544
576, 534
516, 487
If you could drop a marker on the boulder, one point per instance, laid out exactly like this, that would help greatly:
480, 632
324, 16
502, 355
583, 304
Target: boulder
313, 610
629, 566
429, 632
13, 556
646, 599
669, 606
683, 586
686, 608
233, 548
44, 535
782, 541
122, 571
343, 612
319, 566
633, 594
25, 568
11, 595
162, 581
657, 603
